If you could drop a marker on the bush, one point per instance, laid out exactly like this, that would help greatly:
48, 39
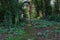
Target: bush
54, 18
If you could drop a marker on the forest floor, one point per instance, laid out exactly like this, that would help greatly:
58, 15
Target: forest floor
36, 30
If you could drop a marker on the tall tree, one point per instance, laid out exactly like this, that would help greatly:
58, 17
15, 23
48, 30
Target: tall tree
48, 9
57, 6
38, 6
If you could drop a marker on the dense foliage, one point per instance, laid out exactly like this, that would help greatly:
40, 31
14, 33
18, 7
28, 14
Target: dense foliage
25, 20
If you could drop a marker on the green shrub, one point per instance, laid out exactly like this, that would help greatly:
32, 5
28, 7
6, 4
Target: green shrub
54, 18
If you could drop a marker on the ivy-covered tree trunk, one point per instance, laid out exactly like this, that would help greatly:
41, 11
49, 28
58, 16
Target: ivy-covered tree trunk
38, 7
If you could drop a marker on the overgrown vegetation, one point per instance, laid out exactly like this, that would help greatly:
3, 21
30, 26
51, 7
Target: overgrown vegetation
24, 20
